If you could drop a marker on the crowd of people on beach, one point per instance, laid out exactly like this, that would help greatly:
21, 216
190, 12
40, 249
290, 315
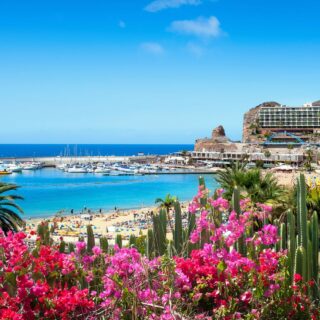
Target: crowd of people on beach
73, 224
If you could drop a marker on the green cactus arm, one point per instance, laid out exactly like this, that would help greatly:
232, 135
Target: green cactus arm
178, 241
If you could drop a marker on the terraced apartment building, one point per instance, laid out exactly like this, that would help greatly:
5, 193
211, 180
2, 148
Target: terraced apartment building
275, 125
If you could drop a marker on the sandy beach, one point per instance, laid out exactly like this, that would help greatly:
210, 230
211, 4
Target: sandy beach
108, 224
288, 179
124, 222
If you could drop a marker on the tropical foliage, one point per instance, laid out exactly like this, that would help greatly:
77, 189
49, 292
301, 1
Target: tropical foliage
252, 183
10, 219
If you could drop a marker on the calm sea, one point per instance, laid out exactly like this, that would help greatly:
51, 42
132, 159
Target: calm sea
52, 150
49, 190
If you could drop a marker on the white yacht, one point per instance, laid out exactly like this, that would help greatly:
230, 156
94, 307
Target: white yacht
30, 166
13, 167
77, 169
103, 170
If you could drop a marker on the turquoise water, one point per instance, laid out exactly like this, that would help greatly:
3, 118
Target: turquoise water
48, 191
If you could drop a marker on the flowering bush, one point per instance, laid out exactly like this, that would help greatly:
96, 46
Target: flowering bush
215, 282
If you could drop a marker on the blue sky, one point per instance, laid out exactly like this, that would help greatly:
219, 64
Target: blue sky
143, 71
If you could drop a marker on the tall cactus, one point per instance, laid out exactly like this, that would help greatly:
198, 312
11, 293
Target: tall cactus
302, 212
160, 232
118, 240
170, 249
300, 266
315, 253
71, 247
177, 235
302, 218
240, 244
283, 236
150, 244
304, 244
90, 239
104, 245
132, 240
62, 247
291, 225
44, 233
202, 185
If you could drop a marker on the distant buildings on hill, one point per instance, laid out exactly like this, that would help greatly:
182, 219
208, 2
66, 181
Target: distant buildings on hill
272, 133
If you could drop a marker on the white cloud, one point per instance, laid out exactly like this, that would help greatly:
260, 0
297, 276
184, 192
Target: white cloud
122, 24
200, 27
158, 5
152, 47
195, 49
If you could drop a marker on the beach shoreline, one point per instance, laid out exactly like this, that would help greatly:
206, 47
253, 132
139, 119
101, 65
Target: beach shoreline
105, 224
130, 221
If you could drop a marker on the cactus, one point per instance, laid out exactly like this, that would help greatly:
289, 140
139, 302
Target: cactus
236, 201
191, 228
62, 247
177, 235
202, 185
160, 232
291, 232
71, 247
300, 257
303, 225
156, 241
302, 212
305, 261
240, 244
44, 233
170, 249
118, 240
132, 240
90, 239
283, 236
104, 245
150, 244
315, 253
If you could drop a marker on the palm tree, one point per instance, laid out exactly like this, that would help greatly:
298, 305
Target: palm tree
308, 160
251, 183
231, 177
9, 218
167, 203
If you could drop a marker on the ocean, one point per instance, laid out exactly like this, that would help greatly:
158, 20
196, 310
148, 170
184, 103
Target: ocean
52, 150
49, 190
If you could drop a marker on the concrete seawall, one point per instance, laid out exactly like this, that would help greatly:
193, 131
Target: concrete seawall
54, 161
